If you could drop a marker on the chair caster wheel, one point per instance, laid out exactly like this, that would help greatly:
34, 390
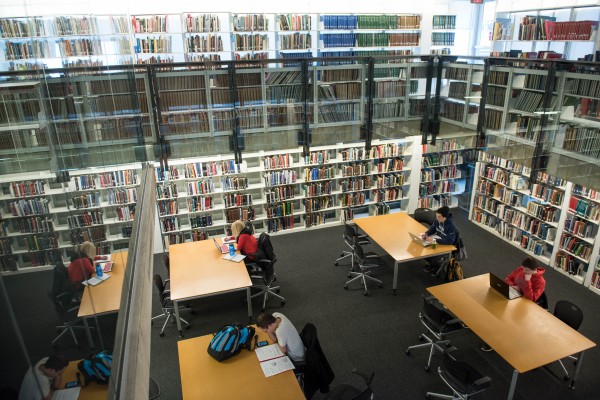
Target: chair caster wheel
365, 293
188, 327
262, 310
346, 287
407, 351
151, 323
283, 303
341, 254
162, 334
427, 397
448, 345
335, 263
427, 368
277, 291
381, 285
193, 312
349, 275
566, 378
421, 338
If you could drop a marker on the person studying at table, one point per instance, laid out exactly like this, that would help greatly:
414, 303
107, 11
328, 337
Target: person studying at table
246, 242
528, 279
81, 267
442, 229
42, 379
281, 330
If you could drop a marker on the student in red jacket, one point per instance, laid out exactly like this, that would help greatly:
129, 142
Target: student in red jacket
528, 279
246, 242
81, 267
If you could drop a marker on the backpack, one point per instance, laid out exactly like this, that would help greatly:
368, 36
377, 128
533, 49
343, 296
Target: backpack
230, 340
96, 368
455, 271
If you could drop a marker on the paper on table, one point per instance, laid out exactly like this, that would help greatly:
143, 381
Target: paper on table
276, 366
104, 277
268, 352
67, 394
93, 281
236, 258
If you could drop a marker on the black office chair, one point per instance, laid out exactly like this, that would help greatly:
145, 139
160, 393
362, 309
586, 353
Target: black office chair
168, 308
571, 315
542, 301
464, 380
366, 261
425, 216
316, 373
351, 236
349, 392
66, 303
153, 390
439, 323
263, 271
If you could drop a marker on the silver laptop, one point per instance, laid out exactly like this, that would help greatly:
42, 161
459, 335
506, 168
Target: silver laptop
417, 239
503, 288
223, 248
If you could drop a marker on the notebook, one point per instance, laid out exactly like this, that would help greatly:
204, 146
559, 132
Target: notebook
236, 258
223, 248
107, 266
417, 239
503, 288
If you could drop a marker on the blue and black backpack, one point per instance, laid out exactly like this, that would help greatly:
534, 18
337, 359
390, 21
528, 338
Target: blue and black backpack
230, 340
96, 368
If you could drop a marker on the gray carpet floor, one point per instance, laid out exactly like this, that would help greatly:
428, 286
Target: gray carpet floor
370, 333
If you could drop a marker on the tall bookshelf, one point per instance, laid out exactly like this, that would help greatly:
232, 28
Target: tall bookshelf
567, 32
443, 34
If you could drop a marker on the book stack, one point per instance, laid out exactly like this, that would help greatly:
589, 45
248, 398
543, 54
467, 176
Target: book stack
202, 23
196, 204
234, 182
250, 22
279, 193
316, 204
86, 219
166, 191
280, 223
150, 24
167, 207
584, 208
283, 209
289, 22
241, 213
237, 199
201, 221
276, 178
318, 189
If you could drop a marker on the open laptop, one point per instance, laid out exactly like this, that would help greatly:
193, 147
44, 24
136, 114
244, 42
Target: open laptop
417, 239
223, 248
503, 288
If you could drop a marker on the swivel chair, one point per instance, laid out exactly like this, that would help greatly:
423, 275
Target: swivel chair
316, 373
351, 236
263, 272
425, 216
464, 380
439, 323
64, 298
366, 261
348, 392
168, 308
571, 315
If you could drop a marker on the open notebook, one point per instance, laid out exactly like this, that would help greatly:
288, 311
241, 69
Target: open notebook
272, 360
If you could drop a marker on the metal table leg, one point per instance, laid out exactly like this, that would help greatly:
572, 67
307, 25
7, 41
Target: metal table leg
395, 286
177, 319
513, 384
249, 301
579, 360
88, 334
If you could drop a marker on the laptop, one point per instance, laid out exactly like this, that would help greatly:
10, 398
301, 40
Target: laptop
223, 248
503, 288
417, 239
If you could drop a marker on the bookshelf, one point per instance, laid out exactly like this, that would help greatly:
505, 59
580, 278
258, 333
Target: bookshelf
443, 173
43, 220
206, 36
567, 32
296, 35
461, 94
157, 38
443, 34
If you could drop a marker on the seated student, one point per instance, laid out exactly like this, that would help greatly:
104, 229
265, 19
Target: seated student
46, 376
528, 279
443, 231
282, 331
81, 267
246, 242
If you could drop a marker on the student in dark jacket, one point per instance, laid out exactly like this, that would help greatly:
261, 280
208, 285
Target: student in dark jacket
442, 229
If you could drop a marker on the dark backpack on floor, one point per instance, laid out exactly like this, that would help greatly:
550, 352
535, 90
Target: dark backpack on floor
96, 368
230, 340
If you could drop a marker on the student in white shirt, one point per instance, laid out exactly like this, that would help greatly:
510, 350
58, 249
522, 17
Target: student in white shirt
281, 330
43, 378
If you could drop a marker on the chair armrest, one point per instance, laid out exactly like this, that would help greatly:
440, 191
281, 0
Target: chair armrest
360, 373
482, 381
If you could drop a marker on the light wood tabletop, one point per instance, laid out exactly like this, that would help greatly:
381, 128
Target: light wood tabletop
93, 391
521, 332
106, 296
198, 269
240, 377
391, 233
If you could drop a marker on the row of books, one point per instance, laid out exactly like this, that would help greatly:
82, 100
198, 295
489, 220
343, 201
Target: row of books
276, 178
319, 203
493, 119
251, 42
588, 192
318, 189
353, 199
201, 221
332, 113
584, 208
280, 223
237, 199
81, 182
389, 180
569, 264
495, 96
296, 41
543, 212
457, 90
394, 109
576, 246
81, 47
289, 22
23, 208
356, 184
153, 44
371, 21
196, 204
167, 207
27, 50
317, 218
203, 186
577, 226
278, 161
86, 200
442, 38
88, 218
118, 178
250, 22
202, 44
126, 213
582, 140
22, 28
441, 159
283, 209
39, 258
388, 194
202, 23
438, 174
242, 213
41, 242
149, 24
552, 196
452, 110
279, 193
26, 188
90, 234
122, 196
444, 22
176, 124
355, 169
583, 87
234, 182
428, 189
166, 191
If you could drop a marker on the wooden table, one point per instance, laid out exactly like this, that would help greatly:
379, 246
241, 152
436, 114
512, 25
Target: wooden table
198, 270
240, 377
104, 298
92, 391
520, 331
390, 232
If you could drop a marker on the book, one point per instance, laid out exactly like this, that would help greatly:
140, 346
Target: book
236, 258
272, 360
